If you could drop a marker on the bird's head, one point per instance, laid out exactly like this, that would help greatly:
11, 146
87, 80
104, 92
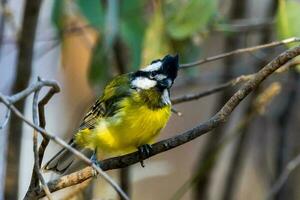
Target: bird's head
160, 73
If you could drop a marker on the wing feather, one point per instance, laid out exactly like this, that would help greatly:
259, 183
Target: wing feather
107, 105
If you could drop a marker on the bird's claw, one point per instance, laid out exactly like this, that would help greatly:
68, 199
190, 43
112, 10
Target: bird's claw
145, 151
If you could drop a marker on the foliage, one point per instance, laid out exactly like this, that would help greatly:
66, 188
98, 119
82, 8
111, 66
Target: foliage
190, 17
148, 30
288, 23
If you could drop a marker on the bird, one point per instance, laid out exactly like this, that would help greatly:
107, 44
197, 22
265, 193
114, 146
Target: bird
128, 116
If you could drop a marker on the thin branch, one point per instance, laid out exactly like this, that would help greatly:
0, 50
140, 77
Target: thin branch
239, 51
65, 145
39, 153
290, 167
223, 86
245, 25
32, 88
42, 120
168, 144
191, 97
6, 119
36, 168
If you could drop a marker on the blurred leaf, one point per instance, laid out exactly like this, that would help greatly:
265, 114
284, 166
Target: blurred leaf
133, 29
92, 10
190, 17
288, 23
58, 14
156, 43
99, 65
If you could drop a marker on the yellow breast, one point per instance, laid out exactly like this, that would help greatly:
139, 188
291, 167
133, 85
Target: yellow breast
134, 125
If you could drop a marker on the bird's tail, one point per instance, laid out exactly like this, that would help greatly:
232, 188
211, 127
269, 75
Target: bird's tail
66, 161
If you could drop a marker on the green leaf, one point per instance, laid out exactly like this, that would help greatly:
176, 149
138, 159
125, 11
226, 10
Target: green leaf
99, 64
92, 10
57, 15
132, 29
156, 42
288, 23
190, 17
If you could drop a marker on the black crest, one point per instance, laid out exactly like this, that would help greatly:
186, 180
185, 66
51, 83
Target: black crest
170, 66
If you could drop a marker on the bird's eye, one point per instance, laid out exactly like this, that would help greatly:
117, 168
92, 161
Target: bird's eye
152, 75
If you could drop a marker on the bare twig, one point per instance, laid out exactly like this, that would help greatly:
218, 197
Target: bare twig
290, 167
178, 113
6, 118
42, 120
231, 83
65, 145
245, 25
239, 51
191, 97
165, 145
29, 90
36, 168
38, 154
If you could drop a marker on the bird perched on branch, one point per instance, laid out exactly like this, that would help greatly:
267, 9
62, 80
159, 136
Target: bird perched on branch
128, 116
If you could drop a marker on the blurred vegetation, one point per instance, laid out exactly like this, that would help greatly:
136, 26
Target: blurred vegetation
147, 29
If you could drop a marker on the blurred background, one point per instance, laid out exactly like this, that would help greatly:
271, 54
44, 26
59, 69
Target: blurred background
83, 43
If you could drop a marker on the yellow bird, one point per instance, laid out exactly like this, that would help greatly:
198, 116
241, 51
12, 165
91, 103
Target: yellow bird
128, 116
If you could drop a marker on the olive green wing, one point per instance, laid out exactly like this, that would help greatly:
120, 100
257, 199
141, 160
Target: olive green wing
107, 104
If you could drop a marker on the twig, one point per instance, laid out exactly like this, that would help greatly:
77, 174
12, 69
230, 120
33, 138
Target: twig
34, 87
178, 113
65, 145
231, 83
165, 145
42, 120
36, 167
290, 167
191, 97
245, 25
6, 119
239, 51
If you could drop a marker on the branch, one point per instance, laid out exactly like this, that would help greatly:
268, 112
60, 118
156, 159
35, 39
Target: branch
245, 25
290, 167
168, 144
6, 119
39, 115
239, 51
42, 121
191, 97
223, 86
36, 174
24, 93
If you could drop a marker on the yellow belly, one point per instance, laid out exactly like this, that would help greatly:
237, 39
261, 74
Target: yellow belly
133, 126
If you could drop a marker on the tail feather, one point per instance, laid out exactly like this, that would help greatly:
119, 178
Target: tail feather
65, 160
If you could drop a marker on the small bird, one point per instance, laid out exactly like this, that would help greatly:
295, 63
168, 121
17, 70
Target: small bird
129, 115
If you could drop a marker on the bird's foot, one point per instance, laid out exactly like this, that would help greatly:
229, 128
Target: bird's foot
145, 151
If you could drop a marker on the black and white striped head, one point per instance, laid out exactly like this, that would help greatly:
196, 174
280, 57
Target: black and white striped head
160, 73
